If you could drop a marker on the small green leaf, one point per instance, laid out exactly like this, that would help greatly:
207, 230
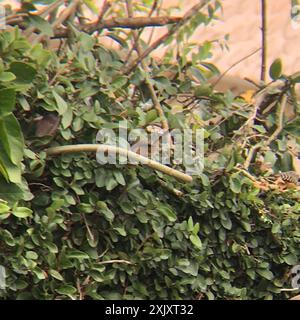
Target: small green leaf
7, 101
39, 273
3, 208
168, 213
66, 290
119, 177
24, 72
61, 104
22, 212
7, 76
196, 241
121, 231
290, 259
76, 254
276, 228
67, 118
276, 69
55, 274
235, 183
31, 255
103, 208
267, 274
11, 138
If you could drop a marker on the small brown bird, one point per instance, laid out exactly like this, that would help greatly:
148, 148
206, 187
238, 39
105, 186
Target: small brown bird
290, 176
47, 125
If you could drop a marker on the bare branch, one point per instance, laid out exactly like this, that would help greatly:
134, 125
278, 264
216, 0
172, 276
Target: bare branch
234, 65
121, 151
150, 87
264, 39
168, 34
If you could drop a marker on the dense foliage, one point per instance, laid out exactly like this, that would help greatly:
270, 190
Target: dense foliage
72, 229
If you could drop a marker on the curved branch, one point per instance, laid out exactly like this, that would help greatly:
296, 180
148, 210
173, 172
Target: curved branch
124, 152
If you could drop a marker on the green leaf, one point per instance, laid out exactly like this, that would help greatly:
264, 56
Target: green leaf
196, 241
103, 208
22, 212
76, 254
119, 82
168, 213
7, 76
291, 259
24, 72
235, 183
211, 67
66, 290
121, 231
55, 274
10, 192
267, 274
119, 178
67, 118
61, 104
110, 183
7, 101
12, 138
190, 224
31, 255
8, 238
226, 223
276, 69
39, 273
4, 208
276, 228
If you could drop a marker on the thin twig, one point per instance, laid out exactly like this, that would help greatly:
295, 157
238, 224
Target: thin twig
251, 155
191, 13
132, 23
81, 295
234, 65
280, 123
63, 16
289, 290
128, 57
43, 13
247, 174
106, 5
149, 85
88, 228
278, 130
264, 40
154, 7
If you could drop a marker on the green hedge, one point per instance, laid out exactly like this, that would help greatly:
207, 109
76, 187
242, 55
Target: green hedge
73, 229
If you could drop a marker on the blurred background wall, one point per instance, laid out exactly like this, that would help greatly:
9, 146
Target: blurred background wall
241, 20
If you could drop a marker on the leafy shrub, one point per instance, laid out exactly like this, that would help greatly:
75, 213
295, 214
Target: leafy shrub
72, 229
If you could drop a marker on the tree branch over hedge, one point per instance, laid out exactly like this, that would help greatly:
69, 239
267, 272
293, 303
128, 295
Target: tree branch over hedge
130, 23
138, 49
189, 14
123, 152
